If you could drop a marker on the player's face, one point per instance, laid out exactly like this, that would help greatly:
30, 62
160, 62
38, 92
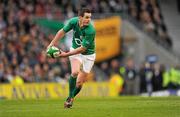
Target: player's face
86, 19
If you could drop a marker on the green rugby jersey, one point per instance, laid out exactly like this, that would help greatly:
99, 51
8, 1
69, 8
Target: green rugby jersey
84, 36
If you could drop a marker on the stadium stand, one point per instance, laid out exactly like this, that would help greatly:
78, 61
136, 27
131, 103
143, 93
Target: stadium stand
23, 43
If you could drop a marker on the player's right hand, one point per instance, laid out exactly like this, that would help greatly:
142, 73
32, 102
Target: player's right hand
49, 46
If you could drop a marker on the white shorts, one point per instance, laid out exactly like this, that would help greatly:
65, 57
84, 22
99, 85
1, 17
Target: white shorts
86, 60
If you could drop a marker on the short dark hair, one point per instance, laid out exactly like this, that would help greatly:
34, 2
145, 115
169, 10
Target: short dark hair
83, 10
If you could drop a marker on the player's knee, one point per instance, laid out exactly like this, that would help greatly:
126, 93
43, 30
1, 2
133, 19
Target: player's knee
74, 73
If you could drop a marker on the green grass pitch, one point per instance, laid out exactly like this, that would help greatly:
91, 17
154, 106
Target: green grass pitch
93, 107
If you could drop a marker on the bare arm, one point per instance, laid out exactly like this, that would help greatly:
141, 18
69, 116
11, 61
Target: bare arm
59, 35
73, 52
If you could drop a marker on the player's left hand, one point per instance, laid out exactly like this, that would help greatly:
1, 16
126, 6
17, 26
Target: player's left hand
63, 54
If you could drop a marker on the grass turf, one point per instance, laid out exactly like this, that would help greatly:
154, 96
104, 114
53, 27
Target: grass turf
93, 107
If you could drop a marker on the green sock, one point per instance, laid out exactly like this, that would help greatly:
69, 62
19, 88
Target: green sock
72, 85
76, 91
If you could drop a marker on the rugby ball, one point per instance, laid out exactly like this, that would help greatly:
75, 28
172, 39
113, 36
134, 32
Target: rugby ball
53, 52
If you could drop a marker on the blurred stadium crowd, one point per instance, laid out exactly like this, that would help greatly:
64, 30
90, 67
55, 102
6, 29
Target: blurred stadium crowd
23, 44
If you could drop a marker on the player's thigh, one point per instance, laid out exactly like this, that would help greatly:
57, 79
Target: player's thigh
88, 62
75, 63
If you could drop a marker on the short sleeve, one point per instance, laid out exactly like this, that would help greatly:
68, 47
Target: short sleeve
68, 26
